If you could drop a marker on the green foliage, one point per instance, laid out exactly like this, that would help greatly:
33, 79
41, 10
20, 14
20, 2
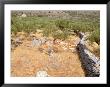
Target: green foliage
14, 29
95, 36
49, 28
83, 26
60, 35
52, 26
62, 24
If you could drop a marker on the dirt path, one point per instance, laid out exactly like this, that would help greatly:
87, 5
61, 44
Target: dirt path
27, 61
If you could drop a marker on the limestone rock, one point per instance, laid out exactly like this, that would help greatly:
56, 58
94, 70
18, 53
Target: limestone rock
89, 60
42, 74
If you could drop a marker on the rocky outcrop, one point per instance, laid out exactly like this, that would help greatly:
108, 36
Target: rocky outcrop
90, 62
41, 13
65, 14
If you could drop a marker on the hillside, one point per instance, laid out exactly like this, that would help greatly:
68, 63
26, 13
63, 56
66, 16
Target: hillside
47, 41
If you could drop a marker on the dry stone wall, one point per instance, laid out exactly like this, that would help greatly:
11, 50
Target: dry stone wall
90, 62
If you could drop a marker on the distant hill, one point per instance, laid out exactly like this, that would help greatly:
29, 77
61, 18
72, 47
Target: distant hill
58, 13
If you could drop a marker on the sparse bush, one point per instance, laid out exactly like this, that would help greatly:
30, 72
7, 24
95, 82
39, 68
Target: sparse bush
50, 26
60, 35
49, 29
95, 36
62, 24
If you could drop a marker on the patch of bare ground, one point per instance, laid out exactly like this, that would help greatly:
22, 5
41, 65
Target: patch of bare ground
27, 60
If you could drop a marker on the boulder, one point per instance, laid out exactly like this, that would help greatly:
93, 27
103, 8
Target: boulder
23, 15
42, 74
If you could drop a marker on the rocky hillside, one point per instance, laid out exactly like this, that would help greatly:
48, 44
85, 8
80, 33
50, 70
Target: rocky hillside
57, 13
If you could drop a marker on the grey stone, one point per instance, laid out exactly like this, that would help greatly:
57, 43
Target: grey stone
36, 42
89, 60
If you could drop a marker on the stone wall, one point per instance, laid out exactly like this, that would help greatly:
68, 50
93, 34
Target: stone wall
90, 62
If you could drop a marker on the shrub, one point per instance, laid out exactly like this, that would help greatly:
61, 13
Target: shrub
60, 35
50, 26
62, 24
95, 36
49, 29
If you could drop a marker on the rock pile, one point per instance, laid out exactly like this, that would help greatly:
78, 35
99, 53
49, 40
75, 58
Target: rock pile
15, 42
90, 61
38, 41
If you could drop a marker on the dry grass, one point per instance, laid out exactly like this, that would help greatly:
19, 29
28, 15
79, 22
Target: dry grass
94, 48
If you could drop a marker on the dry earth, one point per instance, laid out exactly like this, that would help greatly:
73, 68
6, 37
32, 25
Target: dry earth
27, 60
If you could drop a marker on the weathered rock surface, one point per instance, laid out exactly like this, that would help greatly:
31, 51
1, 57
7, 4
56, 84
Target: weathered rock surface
90, 61
42, 74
